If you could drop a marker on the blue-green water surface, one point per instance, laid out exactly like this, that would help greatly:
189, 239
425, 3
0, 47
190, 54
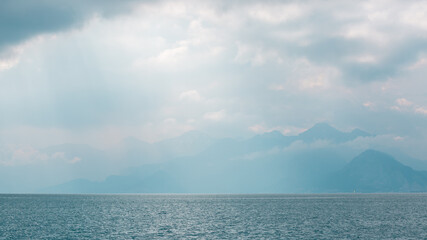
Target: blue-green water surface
261, 216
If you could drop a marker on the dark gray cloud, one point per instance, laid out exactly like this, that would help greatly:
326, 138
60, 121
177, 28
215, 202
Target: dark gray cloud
397, 59
21, 19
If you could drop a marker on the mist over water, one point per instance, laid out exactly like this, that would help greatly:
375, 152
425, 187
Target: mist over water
186, 216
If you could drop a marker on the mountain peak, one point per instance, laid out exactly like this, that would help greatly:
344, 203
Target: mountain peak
321, 128
324, 131
372, 156
375, 171
374, 163
373, 153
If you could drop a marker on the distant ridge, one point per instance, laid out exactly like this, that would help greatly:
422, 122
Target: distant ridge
375, 171
323, 131
257, 164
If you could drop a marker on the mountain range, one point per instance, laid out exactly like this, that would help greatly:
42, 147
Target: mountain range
265, 163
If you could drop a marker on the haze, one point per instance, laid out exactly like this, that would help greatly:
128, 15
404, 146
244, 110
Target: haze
83, 83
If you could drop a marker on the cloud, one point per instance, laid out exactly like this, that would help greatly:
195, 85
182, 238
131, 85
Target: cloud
215, 116
422, 62
8, 63
364, 59
21, 20
22, 155
75, 160
405, 105
403, 102
129, 68
275, 13
170, 56
398, 138
368, 104
414, 15
10, 58
421, 110
256, 56
190, 95
289, 130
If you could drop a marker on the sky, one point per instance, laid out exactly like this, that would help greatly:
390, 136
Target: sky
97, 72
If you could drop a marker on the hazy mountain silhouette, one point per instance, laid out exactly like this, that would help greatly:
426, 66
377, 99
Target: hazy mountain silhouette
323, 131
151, 180
269, 140
196, 163
405, 159
374, 171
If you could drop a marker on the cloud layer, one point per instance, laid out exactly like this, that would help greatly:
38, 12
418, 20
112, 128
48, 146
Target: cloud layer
101, 71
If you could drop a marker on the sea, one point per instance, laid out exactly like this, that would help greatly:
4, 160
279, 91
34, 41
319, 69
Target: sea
213, 216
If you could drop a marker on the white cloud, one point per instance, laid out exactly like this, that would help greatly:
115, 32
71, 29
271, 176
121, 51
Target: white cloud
309, 76
368, 104
398, 138
366, 59
6, 64
415, 15
422, 62
11, 57
171, 55
314, 82
300, 37
403, 102
396, 108
404, 105
288, 130
215, 116
277, 87
256, 55
258, 128
169, 121
366, 31
421, 110
75, 160
190, 95
276, 13
20, 155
